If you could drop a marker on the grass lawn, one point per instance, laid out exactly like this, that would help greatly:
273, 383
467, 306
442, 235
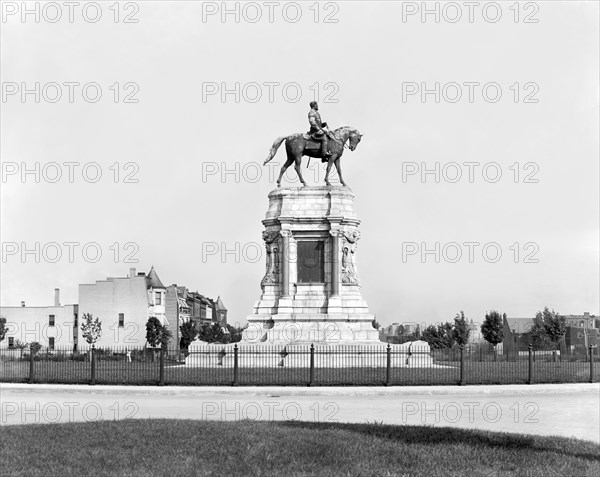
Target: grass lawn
170, 447
121, 372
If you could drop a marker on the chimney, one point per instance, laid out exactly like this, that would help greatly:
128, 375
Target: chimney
23, 304
131, 272
57, 297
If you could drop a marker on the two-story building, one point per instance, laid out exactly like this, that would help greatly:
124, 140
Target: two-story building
54, 326
124, 305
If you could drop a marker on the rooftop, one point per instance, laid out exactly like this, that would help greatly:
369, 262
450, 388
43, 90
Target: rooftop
152, 280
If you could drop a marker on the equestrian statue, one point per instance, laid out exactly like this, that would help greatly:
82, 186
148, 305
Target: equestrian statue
319, 142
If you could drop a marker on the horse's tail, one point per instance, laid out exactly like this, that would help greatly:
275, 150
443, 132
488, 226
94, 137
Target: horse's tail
274, 148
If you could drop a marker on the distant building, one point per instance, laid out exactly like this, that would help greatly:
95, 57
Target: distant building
124, 305
219, 312
398, 332
474, 333
54, 327
582, 321
517, 334
183, 305
580, 338
391, 330
581, 330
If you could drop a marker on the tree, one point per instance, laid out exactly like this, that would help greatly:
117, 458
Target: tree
3, 329
157, 334
235, 333
20, 345
492, 329
548, 328
440, 336
460, 329
188, 334
91, 329
212, 333
34, 347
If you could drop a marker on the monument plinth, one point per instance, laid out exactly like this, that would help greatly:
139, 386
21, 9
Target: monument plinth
311, 289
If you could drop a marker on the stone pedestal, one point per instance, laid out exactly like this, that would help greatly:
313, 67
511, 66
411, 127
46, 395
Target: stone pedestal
310, 294
415, 354
311, 289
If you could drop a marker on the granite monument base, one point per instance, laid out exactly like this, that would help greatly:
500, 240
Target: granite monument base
415, 354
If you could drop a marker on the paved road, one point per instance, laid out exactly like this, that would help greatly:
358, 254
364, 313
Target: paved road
571, 410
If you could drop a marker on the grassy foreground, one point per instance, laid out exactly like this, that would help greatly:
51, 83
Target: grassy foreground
171, 447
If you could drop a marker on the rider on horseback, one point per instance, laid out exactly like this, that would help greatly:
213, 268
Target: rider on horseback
317, 131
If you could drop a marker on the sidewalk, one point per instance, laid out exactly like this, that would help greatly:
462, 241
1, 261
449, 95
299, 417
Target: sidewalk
570, 410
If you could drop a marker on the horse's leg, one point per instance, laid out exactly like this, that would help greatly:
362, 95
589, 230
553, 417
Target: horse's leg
298, 163
287, 164
330, 162
338, 166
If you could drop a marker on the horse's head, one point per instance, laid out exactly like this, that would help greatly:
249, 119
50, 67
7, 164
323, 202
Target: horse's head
355, 138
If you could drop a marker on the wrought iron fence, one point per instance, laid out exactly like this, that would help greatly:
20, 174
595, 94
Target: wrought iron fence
239, 364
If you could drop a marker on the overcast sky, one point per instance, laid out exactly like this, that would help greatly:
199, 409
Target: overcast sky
369, 68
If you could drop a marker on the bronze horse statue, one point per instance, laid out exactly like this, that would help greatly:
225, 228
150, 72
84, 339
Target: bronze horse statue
298, 145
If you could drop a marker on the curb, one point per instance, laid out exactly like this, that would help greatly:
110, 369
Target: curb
358, 391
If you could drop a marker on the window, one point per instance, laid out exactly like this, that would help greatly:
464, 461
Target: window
311, 261
51, 343
11, 342
50, 320
121, 320
157, 298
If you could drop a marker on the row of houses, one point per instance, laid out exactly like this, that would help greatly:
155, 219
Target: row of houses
582, 331
123, 305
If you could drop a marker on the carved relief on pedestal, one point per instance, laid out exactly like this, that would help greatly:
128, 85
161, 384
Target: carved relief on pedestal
349, 274
272, 247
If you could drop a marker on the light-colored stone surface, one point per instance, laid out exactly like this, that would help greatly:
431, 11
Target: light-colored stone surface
363, 353
315, 213
569, 410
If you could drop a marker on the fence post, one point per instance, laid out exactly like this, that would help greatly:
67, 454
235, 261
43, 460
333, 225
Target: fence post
30, 365
93, 365
311, 377
463, 378
388, 364
591, 348
530, 348
161, 381
235, 365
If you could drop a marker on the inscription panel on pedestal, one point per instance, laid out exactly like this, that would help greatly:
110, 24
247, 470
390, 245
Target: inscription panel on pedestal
311, 261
